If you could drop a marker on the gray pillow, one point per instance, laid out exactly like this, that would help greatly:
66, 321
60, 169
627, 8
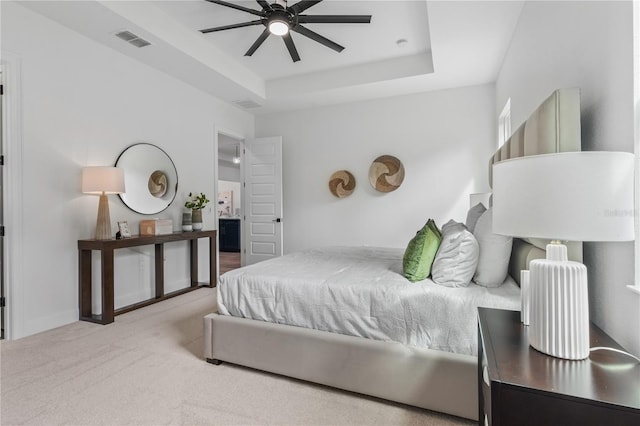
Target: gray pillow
495, 251
457, 257
473, 215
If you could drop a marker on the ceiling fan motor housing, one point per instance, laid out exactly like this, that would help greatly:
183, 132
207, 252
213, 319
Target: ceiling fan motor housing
279, 13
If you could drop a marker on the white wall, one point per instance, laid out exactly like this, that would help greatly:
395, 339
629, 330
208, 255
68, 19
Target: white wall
444, 140
587, 45
82, 104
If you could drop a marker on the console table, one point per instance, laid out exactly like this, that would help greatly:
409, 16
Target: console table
107, 248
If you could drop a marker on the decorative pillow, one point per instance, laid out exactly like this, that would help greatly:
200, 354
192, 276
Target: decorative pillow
473, 215
419, 255
495, 251
457, 257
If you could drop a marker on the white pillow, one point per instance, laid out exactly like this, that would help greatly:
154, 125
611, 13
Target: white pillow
495, 251
457, 256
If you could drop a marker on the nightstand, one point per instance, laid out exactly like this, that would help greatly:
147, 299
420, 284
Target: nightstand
518, 385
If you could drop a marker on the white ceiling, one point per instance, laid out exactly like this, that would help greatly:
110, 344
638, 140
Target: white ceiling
449, 44
364, 43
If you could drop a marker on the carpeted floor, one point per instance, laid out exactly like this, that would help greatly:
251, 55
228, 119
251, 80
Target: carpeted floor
147, 369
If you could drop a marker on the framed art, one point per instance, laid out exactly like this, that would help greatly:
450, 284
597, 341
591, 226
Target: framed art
123, 228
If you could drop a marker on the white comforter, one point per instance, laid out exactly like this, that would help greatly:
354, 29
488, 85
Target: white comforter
360, 291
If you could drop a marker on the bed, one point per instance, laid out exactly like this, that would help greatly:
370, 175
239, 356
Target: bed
376, 339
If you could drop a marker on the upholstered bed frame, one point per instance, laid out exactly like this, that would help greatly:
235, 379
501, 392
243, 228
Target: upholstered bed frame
431, 379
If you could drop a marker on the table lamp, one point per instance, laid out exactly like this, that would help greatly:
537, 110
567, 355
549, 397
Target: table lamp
571, 196
103, 180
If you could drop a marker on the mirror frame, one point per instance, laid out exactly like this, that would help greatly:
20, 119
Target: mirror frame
171, 187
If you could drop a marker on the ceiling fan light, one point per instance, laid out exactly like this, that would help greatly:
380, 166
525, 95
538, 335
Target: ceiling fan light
278, 27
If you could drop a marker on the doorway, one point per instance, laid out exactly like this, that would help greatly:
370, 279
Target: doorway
229, 209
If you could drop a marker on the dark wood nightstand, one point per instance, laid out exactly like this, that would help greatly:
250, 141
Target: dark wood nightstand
517, 385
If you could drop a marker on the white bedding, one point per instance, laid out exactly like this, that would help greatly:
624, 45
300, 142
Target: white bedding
360, 291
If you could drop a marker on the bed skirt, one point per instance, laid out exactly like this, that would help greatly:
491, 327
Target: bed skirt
435, 380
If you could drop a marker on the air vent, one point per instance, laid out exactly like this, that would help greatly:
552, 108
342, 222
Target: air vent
247, 104
133, 39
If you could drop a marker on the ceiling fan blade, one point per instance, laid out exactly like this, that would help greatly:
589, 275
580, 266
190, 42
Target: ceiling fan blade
301, 6
334, 19
317, 37
264, 4
258, 42
288, 41
229, 27
235, 6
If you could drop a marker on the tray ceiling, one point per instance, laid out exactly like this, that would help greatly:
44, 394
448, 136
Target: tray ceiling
447, 44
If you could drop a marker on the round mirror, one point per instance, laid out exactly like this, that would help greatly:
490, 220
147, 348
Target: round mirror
150, 178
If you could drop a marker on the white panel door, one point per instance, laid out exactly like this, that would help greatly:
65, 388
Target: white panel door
263, 199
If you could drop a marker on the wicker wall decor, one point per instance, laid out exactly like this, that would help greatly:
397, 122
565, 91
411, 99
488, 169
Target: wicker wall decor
158, 184
342, 184
386, 173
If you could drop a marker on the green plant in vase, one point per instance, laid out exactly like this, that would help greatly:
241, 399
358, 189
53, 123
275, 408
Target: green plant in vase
196, 202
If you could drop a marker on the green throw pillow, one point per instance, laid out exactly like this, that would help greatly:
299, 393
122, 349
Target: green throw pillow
421, 251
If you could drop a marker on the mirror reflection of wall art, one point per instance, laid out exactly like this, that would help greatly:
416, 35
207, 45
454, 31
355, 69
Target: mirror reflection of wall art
158, 184
386, 173
151, 178
342, 183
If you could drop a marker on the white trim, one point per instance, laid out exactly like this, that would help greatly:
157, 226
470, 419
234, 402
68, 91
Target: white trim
39, 324
636, 102
14, 261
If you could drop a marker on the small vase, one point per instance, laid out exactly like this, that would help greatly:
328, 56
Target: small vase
196, 219
186, 221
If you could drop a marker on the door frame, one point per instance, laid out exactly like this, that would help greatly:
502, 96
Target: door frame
13, 258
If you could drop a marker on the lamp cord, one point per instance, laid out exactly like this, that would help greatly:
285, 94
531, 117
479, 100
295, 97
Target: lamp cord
605, 348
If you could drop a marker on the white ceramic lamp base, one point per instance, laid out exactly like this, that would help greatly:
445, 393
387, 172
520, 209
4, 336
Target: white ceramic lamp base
559, 305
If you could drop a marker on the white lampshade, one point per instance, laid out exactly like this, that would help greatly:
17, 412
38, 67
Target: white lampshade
571, 196
99, 179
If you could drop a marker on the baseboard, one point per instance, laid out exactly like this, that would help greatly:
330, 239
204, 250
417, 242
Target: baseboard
38, 325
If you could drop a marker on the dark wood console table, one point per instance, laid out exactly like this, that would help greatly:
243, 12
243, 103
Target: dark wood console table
107, 247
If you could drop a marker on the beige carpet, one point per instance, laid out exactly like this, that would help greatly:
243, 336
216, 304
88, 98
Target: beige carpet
147, 369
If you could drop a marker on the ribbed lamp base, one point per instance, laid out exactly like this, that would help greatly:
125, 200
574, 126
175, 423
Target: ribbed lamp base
559, 305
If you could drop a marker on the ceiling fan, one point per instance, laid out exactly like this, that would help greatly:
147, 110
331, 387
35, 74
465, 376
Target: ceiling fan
281, 19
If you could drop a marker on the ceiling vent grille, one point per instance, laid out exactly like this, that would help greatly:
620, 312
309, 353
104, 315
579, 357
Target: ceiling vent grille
133, 39
247, 104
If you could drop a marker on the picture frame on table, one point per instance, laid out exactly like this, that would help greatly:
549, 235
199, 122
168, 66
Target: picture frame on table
123, 229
